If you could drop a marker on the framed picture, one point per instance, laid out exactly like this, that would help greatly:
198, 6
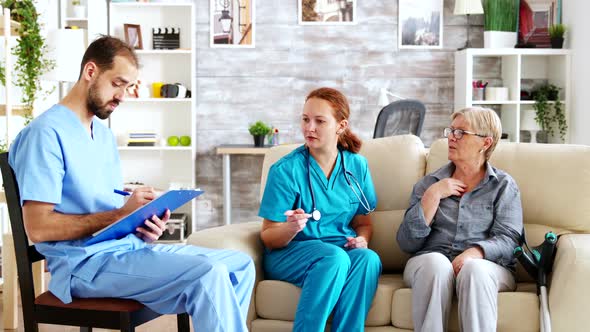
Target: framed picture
317, 12
232, 23
534, 19
133, 35
420, 24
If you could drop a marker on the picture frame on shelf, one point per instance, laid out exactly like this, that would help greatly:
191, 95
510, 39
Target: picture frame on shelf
339, 12
133, 35
534, 20
232, 23
420, 24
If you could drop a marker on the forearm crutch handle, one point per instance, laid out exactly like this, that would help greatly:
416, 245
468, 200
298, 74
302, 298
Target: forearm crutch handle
527, 262
547, 250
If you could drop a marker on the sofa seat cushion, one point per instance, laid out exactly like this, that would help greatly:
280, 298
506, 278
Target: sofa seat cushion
278, 300
514, 308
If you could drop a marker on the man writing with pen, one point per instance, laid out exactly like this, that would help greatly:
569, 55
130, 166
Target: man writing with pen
67, 165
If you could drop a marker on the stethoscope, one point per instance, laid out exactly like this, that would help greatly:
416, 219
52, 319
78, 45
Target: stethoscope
316, 214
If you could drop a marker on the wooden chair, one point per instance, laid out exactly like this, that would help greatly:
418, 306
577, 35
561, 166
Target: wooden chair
108, 313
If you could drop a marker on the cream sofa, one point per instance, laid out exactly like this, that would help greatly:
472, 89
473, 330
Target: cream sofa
555, 185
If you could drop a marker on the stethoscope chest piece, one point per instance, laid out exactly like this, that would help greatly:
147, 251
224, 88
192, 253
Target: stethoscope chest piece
316, 215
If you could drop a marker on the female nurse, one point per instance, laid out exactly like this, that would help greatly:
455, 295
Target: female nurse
316, 226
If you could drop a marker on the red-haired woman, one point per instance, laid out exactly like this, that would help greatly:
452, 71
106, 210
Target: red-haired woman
316, 226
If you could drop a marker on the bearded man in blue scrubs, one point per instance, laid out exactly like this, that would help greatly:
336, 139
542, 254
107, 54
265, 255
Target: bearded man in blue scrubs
67, 165
316, 226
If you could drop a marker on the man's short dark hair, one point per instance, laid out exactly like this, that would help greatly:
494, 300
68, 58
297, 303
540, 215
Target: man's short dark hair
103, 50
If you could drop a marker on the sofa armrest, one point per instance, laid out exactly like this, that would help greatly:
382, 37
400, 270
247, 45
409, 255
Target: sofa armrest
244, 237
569, 288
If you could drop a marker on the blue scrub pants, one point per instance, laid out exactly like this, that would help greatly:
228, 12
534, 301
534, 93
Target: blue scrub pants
213, 286
331, 277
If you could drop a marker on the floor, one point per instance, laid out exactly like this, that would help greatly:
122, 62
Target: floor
165, 323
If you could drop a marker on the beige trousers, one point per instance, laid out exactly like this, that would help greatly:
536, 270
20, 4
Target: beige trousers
432, 280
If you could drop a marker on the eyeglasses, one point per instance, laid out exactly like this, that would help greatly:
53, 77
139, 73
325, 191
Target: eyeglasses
458, 133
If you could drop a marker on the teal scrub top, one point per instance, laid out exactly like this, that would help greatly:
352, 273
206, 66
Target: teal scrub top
287, 188
56, 160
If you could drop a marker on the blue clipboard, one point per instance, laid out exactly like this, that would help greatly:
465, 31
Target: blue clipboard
172, 200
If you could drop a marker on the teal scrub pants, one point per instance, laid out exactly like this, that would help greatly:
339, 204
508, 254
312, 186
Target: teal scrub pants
330, 278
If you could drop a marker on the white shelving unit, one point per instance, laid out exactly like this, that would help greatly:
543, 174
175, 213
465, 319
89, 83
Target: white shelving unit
8, 109
160, 166
519, 67
93, 25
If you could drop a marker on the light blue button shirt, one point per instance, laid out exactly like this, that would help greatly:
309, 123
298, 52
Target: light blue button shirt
57, 161
287, 188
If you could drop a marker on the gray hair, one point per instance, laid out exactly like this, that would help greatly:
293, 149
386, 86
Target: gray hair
484, 121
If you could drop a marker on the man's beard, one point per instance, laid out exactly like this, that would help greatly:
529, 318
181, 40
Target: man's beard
93, 103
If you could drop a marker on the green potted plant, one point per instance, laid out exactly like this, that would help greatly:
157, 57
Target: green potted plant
549, 112
500, 22
259, 130
30, 52
556, 32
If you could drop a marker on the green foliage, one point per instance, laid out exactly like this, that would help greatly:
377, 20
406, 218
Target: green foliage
549, 115
500, 15
75, 2
3, 146
557, 30
30, 52
259, 129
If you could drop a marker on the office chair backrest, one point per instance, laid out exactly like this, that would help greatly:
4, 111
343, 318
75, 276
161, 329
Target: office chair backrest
25, 255
400, 118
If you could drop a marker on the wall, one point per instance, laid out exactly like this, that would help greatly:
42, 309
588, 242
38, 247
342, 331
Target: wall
236, 87
575, 17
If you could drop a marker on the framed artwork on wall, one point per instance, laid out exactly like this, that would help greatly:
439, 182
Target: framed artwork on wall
232, 23
535, 18
319, 12
420, 24
133, 35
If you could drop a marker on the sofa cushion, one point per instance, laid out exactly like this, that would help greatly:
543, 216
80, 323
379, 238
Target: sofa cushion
278, 300
385, 226
514, 308
396, 164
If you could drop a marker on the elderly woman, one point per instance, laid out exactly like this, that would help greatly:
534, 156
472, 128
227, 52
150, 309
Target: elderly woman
462, 225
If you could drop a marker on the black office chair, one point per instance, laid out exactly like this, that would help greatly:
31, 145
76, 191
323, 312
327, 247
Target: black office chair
399, 118
107, 313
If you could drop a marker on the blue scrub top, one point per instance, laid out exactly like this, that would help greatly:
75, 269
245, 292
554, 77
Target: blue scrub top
56, 160
287, 188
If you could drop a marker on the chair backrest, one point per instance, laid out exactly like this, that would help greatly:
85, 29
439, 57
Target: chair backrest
25, 255
400, 118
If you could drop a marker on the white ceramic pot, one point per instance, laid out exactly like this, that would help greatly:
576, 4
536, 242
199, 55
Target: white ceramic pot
527, 120
78, 11
499, 39
496, 93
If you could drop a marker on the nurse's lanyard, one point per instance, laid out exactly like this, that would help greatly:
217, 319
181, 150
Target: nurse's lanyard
316, 214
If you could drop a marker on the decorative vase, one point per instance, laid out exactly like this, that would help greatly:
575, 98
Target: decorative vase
528, 122
259, 140
557, 42
78, 11
499, 39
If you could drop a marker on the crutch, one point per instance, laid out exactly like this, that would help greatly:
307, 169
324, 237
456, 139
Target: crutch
538, 264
